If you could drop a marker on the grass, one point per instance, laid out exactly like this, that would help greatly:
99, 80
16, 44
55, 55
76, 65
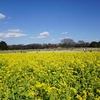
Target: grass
50, 50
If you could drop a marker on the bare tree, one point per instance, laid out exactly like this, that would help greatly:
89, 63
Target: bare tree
81, 43
68, 42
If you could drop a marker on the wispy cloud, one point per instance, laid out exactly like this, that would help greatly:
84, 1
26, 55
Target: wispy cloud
14, 30
33, 37
64, 32
52, 31
53, 40
96, 39
9, 17
2, 16
5, 22
9, 35
12, 33
65, 38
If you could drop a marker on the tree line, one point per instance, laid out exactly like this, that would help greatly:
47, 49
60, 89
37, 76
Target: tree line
65, 43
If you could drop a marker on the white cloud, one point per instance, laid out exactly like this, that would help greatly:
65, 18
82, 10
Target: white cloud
43, 35
12, 33
64, 32
2, 16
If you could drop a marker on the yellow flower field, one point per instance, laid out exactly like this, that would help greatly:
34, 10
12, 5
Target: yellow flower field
50, 76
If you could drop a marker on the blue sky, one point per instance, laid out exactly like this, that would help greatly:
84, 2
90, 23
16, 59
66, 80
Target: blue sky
49, 21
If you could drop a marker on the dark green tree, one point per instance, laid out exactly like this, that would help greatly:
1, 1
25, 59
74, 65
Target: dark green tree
94, 44
99, 44
3, 45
